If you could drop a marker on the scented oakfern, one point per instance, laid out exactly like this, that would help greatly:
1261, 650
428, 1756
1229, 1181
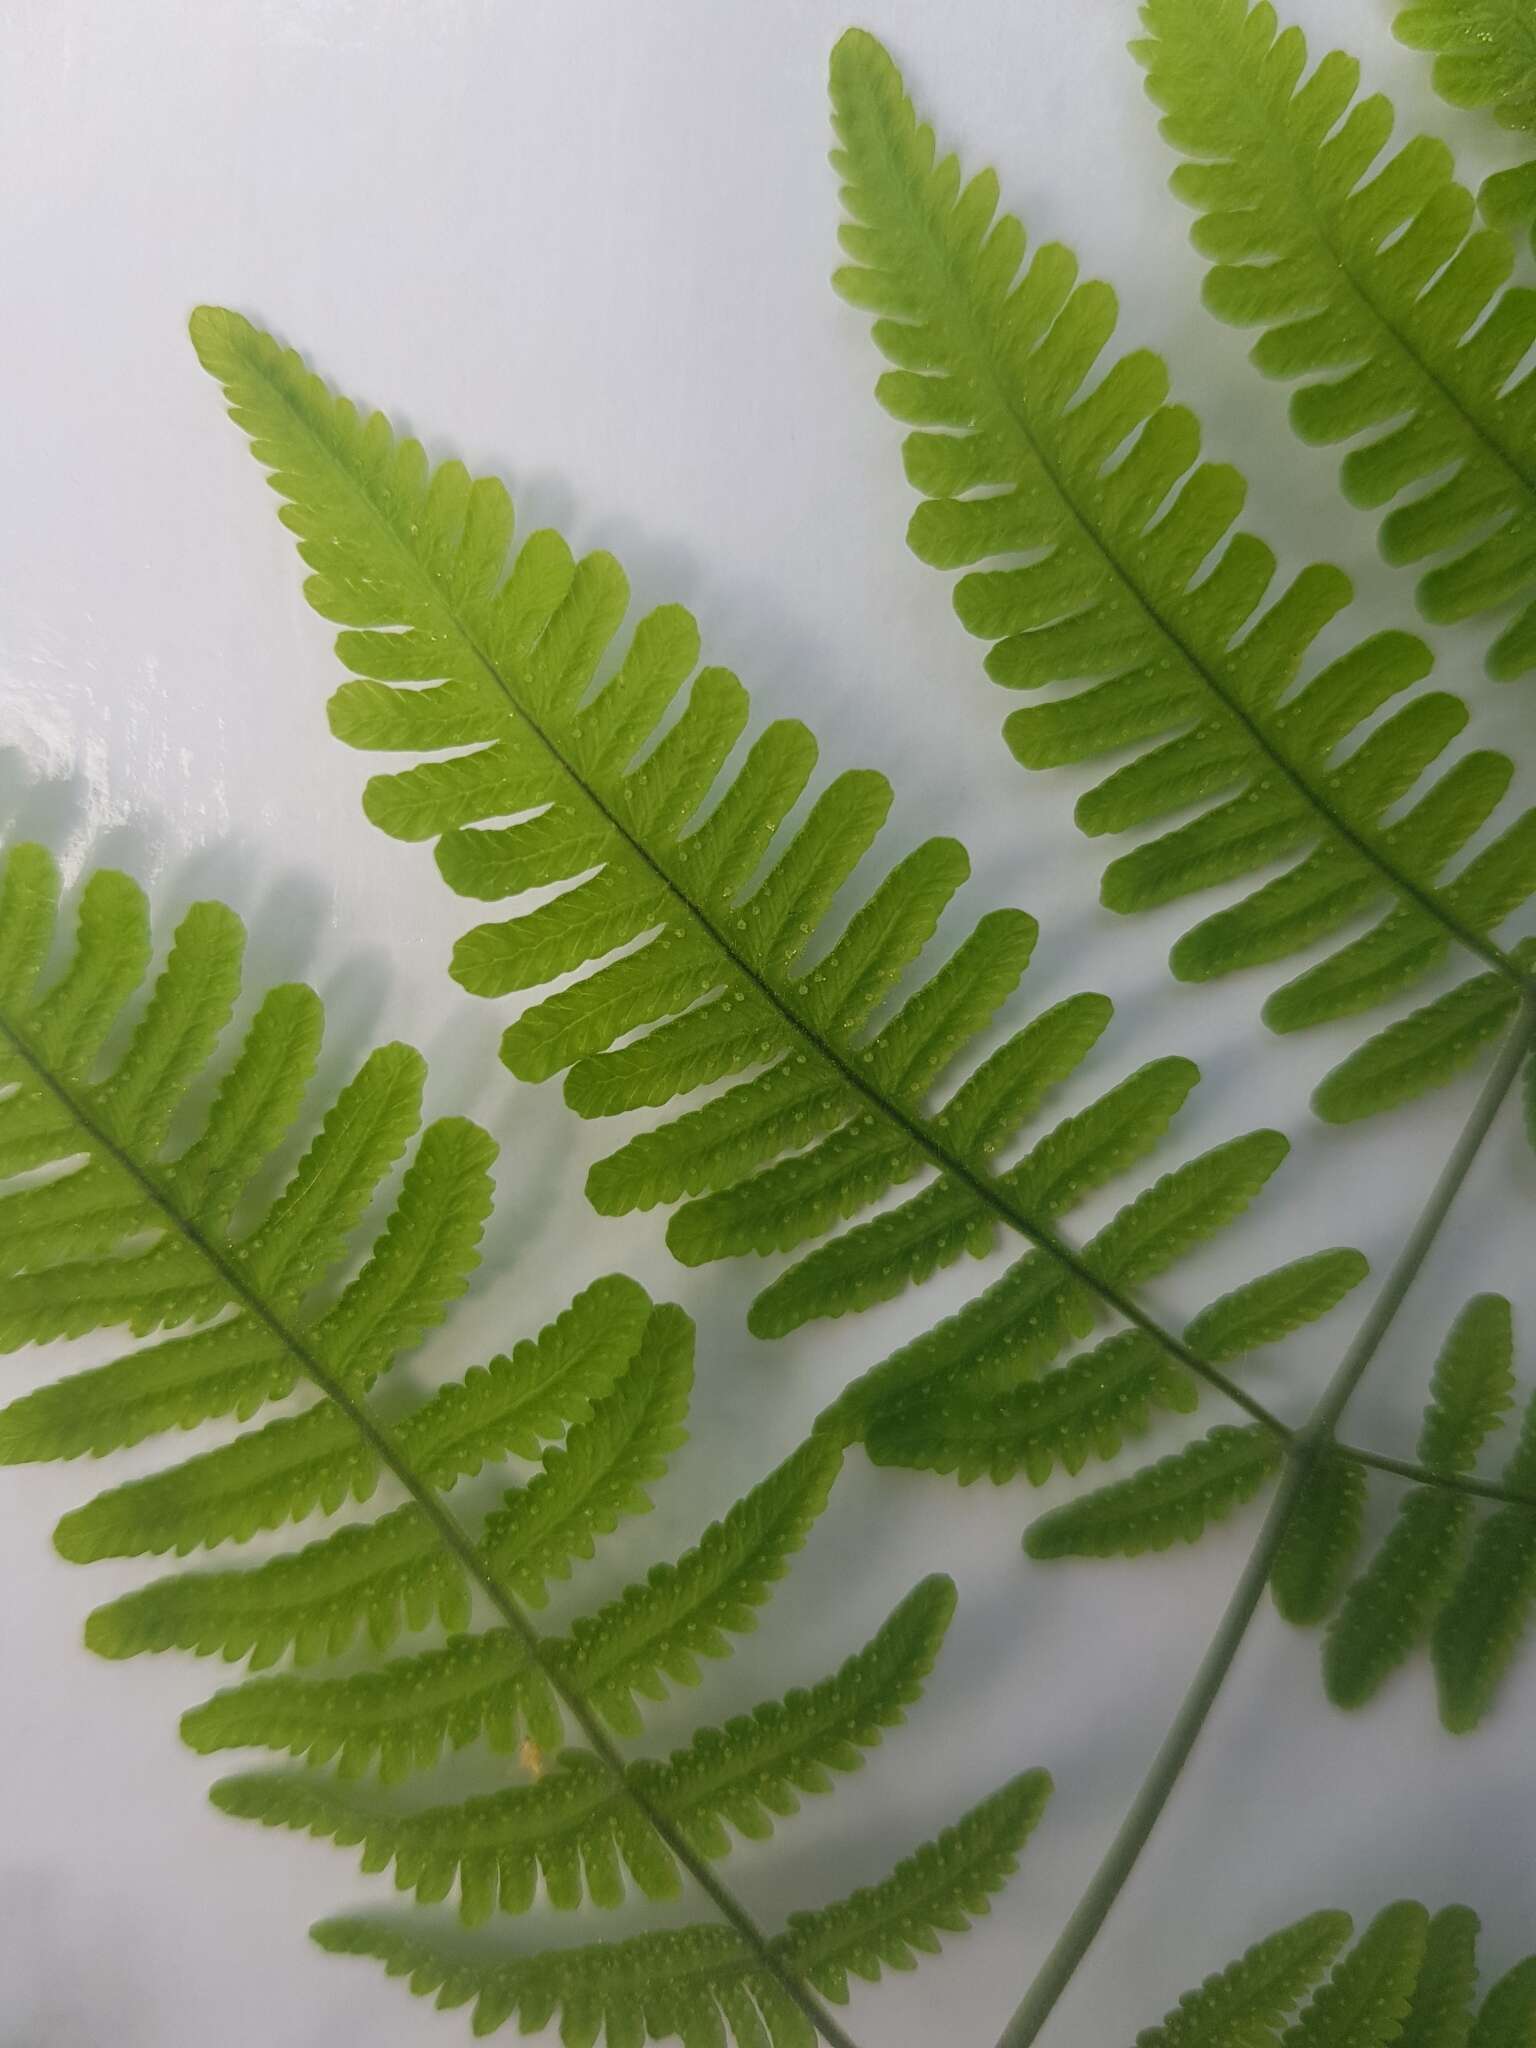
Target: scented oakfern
1098, 476
108, 1223
699, 935
1358, 261
1485, 56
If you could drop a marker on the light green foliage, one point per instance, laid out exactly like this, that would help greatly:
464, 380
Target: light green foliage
1410, 1980
130, 1232
1484, 51
1089, 1407
1098, 478
1364, 268
1175, 1500
579, 1829
700, 1984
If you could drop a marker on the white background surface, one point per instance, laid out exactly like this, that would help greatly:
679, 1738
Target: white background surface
587, 245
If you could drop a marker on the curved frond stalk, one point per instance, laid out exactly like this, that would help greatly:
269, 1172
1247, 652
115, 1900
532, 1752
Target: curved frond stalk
696, 918
700, 1983
1372, 286
126, 1233
580, 1831
1103, 488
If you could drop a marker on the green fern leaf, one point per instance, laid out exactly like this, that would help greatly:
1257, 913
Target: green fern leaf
1422, 1050
1487, 1611
579, 1830
600, 1473
397, 1717
312, 1603
517, 1404
400, 1715
1356, 261
1174, 1500
1366, 2000
701, 1983
1092, 1405
1446, 1991
1484, 51
1508, 2015
725, 977
1012, 1331
1243, 2005
1388, 1610
659, 1628
1193, 670
1320, 1541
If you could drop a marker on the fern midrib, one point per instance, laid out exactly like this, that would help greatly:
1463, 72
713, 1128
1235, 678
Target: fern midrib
449, 1530
917, 1130
1298, 175
952, 290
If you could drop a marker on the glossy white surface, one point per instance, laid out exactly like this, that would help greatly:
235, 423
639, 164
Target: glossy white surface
587, 244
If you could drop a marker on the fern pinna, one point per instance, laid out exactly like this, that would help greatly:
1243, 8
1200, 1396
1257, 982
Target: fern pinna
1102, 481
1357, 261
238, 1294
836, 1110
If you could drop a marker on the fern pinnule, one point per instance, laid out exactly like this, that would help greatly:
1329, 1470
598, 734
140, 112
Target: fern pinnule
1016, 448
701, 1983
1411, 1978
1374, 288
1484, 52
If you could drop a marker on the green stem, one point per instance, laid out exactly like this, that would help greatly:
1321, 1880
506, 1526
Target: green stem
1104, 1888
1303, 1450
449, 1531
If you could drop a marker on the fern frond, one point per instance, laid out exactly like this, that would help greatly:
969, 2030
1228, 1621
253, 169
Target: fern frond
1391, 1606
1175, 1500
397, 1717
1372, 286
728, 977
1089, 1407
579, 1829
1106, 494
1251, 1998
700, 1983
